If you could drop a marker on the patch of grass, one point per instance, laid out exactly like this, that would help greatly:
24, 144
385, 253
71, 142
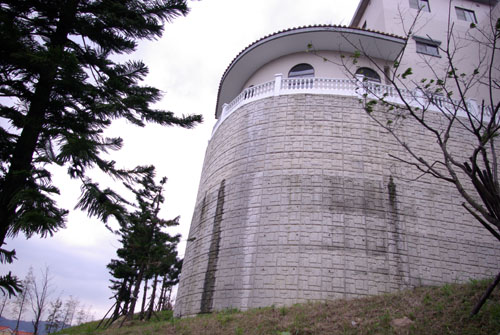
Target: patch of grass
385, 320
299, 324
432, 310
447, 289
86, 328
226, 316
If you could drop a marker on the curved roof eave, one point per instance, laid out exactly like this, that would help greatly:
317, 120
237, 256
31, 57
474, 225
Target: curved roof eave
322, 37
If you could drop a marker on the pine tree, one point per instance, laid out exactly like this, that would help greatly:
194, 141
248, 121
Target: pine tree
60, 90
142, 230
170, 278
164, 257
145, 247
123, 274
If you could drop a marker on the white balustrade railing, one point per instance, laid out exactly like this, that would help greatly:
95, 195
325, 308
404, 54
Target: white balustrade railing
352, 87
292, 85
259, 91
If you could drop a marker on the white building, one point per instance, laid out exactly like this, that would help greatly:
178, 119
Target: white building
299, 200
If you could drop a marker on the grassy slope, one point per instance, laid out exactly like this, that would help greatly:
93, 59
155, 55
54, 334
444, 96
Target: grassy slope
433, 310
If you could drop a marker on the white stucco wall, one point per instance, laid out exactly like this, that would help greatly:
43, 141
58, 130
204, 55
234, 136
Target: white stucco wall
396, 17
330, 68
387, 16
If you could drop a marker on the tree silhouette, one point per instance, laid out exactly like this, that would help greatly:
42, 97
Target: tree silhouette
146, 252
60, 90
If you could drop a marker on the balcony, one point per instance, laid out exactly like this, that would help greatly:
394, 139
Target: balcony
345, 87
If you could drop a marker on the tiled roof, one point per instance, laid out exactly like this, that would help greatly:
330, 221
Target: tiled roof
292, 29
305, 27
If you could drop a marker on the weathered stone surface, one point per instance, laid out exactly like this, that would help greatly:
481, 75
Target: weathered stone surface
315, 209
401, 323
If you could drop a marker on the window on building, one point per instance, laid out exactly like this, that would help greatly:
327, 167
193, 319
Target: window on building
417, 4
427, 46
369, 74
466, 14
428, 49
301, 71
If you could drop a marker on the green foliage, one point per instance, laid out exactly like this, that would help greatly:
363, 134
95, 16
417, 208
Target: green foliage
407, 73
10, 285
370, 105
473, 281
61, 90
385, 320
355, 56
86, 328
147, 251
427, 299
442, 313
447, 289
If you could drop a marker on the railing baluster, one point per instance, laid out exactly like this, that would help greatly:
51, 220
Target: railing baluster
330, 86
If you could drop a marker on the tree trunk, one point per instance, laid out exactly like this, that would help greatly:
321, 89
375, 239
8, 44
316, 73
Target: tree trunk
20, 167
145, 289
22, 156
128, 289
3, 304
133, 300
162, 294
21, 306
486, 295
152, 301
167, 303
35, 324
116, 312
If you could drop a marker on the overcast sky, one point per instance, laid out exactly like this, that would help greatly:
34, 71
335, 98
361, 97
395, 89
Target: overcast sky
187, 64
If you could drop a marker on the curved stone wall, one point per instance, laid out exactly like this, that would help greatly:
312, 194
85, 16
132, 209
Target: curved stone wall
299, 201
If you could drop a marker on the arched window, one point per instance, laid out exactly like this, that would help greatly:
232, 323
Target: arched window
369, 74
301, 71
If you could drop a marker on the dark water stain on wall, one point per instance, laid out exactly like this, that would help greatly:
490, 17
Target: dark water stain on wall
213, 254
397, 233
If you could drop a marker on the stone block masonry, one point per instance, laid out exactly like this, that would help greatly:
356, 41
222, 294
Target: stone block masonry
299, 201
